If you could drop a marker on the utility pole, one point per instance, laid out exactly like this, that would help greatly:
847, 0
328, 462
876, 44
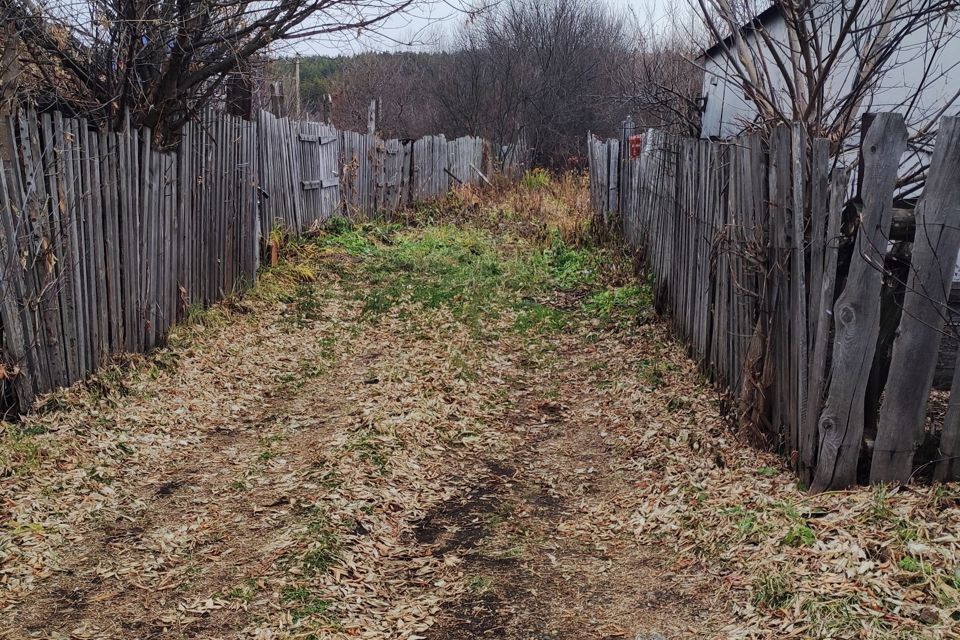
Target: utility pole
327, 107
372, 117
296, 85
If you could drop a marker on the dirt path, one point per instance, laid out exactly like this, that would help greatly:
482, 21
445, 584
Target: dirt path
395, 436
293, 470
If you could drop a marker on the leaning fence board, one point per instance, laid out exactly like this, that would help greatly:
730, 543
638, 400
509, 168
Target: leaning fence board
924, 313
857, 311
827, 235
798, 299
17, 325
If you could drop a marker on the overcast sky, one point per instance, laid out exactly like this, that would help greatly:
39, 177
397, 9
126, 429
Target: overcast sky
426, 25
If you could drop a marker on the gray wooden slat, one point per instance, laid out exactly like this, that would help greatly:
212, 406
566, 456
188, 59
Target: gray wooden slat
857, 310
798, 304
23, 193
935, 246
57, 348
820, 211
104, 159
18, 334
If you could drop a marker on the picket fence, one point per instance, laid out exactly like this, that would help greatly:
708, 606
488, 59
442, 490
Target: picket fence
107, 241
819, 307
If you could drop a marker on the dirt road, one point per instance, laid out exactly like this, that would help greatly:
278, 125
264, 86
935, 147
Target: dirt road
434, 433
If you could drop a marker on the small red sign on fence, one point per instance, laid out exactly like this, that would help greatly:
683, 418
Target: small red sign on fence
636, 145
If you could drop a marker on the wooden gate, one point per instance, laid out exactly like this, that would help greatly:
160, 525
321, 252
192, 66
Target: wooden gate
319, 164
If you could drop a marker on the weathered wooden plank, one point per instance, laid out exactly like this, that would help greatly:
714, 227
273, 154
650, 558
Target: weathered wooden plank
23, 208
824, 293
857, 310
948, 465
82, 256
819, 212
90, 244
798, 295
105, 156
57, 347
18, 334
93, 190
27, 172
779, 300
132, 218
902, 415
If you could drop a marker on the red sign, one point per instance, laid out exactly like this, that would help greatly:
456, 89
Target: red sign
636, 146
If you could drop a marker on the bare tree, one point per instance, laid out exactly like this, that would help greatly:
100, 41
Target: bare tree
162, 61
825, 63
659, 80
533, 70
397, 81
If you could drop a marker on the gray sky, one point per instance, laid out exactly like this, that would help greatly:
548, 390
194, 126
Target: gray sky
426, 25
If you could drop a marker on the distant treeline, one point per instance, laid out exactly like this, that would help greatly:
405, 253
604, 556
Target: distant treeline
545, 72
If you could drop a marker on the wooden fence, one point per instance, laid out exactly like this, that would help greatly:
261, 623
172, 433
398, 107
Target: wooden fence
107, 241
810, 304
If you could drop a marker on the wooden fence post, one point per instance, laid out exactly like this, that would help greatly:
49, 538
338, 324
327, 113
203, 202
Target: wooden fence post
822, 290
857, 311
915, 348
798, 299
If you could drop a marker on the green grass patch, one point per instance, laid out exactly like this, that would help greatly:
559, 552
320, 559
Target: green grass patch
833, 617
304, 604
799, 535
20, 450
620, 306
771, 591
533, 317
479, 584
303, 305
243, 592
324, 547
653, 372
913, 565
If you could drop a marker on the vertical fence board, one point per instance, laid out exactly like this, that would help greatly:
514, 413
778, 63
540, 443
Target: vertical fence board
901, 426
857, 310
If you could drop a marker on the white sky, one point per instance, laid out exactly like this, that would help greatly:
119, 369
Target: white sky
428, 22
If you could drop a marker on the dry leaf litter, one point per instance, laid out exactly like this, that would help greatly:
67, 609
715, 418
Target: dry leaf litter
266, 476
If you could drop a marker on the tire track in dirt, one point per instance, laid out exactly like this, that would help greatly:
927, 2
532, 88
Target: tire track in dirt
533, 552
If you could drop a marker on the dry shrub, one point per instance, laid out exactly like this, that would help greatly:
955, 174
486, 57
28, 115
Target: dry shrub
539, 208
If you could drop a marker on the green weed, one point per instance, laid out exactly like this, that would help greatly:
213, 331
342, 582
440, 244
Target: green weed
325, 544
569, 268
913, 565
620, 306
306, 605
771, 590
20, 450
535, 179
799, 535
653, 372
243, 592
303, 305
533, 317
833, 617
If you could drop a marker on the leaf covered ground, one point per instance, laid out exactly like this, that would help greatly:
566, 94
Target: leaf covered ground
465, 424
